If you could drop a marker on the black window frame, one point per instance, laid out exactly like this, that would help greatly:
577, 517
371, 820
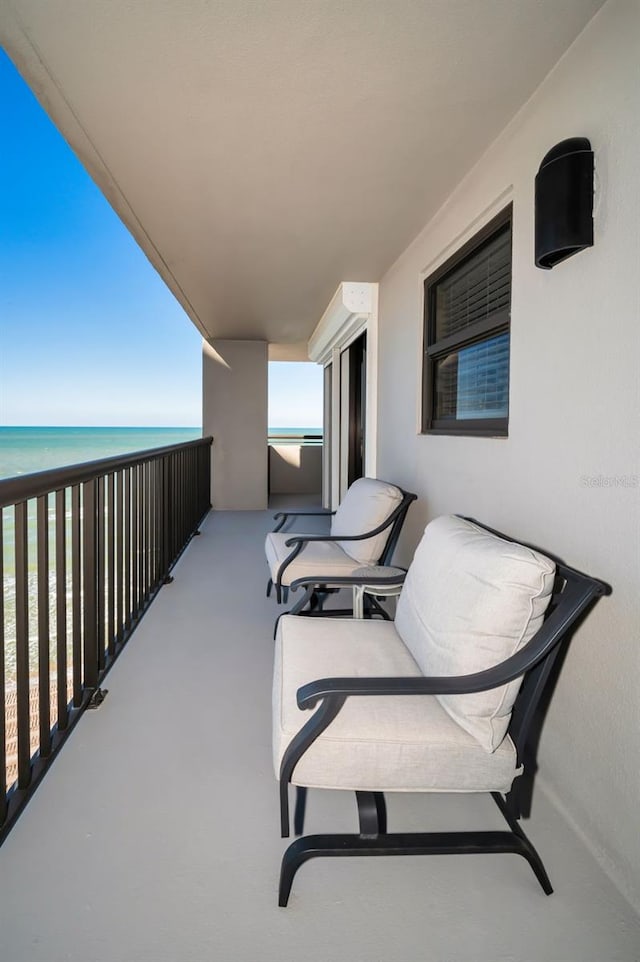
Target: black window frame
484, 330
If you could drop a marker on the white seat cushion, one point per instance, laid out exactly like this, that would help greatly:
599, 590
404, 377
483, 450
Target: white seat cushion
470, 601
386, 743
365, 506
316, 558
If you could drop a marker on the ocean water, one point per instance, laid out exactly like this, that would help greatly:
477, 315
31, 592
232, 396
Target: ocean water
29, 449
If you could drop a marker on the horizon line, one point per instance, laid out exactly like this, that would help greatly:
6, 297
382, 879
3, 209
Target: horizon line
142, 427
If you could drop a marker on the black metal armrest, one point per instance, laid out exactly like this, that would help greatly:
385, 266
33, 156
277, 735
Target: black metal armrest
298, 542
304, 538
283, 516
296, 539
347, 581
309, 695
513, 667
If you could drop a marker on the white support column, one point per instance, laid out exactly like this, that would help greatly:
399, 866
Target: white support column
234, 396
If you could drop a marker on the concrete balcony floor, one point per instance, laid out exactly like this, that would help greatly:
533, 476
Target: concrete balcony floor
154, 838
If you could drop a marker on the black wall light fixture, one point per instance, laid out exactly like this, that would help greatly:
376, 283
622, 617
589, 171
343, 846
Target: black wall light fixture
564, 202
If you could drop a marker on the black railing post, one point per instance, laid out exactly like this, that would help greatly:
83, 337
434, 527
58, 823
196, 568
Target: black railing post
61, 607
120, 611
111, 566
76, 594
89, 504
100, 572
166, 518
44, 667
127, 550
23, 713
3, 726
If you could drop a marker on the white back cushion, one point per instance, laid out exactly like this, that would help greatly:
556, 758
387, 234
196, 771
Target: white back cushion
366, 505
470, 601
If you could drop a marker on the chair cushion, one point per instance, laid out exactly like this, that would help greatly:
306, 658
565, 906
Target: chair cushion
387, 743
367, 503
316, 558
470, 600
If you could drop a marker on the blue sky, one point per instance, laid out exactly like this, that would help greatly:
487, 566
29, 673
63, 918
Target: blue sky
89, 334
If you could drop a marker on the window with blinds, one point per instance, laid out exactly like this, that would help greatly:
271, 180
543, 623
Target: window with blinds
467, 307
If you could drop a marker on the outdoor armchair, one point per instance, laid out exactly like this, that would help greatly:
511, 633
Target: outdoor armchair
364, 531
444, 699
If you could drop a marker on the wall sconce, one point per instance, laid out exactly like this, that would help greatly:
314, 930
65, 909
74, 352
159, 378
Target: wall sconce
564, 202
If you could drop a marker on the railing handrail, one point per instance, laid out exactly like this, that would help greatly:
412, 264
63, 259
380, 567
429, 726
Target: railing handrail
295, 437
27, 486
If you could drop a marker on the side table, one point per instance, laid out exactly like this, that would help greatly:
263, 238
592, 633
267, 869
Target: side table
386, 591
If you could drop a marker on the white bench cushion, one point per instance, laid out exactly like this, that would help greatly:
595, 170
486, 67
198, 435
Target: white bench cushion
365, 506
385, 743
470, 601
316, 558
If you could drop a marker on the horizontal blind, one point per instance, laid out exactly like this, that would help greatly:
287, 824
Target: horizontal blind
477, 289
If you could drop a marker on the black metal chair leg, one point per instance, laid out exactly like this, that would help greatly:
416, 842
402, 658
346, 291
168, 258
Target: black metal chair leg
284, 809
296, 855
381, 809
300, 809
524, 848
372, 814
285, 594
269, 587
300, 604
429, 843
373, 607
297, 608
321, 597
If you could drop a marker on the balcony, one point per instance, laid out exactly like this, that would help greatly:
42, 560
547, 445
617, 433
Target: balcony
295, 464
154, 836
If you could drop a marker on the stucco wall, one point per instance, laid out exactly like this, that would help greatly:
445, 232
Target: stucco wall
573, 414
234, 392
295, 469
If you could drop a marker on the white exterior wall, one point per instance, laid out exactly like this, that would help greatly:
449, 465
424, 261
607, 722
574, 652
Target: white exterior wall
295, 469
234, 401
573, 414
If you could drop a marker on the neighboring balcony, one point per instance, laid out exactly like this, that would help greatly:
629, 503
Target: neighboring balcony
295, 464
154, 835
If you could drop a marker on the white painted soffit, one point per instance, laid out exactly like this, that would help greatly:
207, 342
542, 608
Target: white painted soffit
298, 351
260, 152
348, 311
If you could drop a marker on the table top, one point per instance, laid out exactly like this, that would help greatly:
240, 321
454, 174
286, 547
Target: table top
377, 571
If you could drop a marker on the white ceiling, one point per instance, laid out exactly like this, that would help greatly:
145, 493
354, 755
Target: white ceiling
262, 151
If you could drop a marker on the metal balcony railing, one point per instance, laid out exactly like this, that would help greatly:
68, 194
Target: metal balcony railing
83, 551
314, 439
